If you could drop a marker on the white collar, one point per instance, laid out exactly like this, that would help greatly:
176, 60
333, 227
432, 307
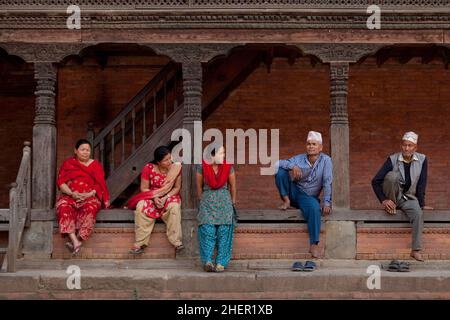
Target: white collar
415, 158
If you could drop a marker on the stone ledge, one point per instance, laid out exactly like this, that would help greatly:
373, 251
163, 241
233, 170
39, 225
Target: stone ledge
248, 214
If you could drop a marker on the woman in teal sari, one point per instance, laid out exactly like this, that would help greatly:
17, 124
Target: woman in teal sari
216, 189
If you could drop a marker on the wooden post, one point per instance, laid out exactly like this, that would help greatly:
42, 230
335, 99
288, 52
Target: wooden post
91, 137
339, 132
13, 232
192, 84
37, 239
44, 137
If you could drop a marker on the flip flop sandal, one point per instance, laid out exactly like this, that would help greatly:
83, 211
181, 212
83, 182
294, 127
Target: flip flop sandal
69, 246
179, 248
403, 267
394, 266
309, 266
136, 250
297, 266
76, 250
219, 268
209, 267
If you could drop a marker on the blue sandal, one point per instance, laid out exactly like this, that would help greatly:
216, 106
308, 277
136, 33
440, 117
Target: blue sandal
309, 266
297, 266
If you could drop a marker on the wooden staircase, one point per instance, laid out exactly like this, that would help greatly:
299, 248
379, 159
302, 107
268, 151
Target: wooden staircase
149, 119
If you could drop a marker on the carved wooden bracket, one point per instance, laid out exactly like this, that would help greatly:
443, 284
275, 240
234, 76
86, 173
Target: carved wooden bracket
191, 52
43, 52
339, 52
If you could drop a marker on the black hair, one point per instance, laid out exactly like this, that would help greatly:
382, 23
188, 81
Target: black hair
81, 142
160, 153
216, 149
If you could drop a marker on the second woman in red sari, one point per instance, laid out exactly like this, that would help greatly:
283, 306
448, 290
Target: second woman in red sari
81, 181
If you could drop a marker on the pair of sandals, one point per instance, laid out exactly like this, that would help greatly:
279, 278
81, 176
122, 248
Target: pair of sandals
72, 249
209, 267
398, 266
308, 267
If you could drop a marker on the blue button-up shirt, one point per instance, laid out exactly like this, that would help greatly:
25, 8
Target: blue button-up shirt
321, 175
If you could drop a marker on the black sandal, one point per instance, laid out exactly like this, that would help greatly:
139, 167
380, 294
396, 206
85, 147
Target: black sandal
76, 250
403, 267
394, 266
69, 246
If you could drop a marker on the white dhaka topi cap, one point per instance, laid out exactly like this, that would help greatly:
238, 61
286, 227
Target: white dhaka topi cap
411, 136
314, 135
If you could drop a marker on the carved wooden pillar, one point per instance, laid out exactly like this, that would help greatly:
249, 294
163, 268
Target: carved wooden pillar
44, 137
339, 134
192, 86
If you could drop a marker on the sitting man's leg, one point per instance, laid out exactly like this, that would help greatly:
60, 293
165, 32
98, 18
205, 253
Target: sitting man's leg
310, 208
286, 188
415, 214
391, 187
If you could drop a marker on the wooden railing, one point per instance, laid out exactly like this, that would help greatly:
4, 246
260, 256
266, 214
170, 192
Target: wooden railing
139, 119
19, 207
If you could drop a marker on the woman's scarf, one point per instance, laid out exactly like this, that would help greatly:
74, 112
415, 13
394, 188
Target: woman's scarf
72, 169
211, 179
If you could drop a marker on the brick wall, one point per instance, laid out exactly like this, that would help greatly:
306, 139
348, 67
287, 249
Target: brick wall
384, 103
293, 99
89, 93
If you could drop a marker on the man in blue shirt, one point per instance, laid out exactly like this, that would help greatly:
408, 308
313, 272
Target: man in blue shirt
311, 172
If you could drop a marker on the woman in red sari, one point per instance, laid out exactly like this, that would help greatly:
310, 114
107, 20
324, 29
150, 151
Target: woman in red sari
81, 181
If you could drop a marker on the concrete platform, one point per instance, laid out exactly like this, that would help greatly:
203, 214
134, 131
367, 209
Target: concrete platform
245, 279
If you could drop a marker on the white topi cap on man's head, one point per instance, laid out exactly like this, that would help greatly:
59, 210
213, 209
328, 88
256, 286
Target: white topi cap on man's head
410, 136
315, 136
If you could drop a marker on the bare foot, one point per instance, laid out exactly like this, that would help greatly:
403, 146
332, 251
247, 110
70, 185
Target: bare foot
286, 205
315, 251
416, 255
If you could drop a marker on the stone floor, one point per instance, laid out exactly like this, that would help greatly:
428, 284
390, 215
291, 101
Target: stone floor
244, 279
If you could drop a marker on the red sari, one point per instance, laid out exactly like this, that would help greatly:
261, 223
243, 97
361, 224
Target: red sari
156, 181
73, 215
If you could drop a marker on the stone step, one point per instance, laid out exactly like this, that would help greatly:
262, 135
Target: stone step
243, 280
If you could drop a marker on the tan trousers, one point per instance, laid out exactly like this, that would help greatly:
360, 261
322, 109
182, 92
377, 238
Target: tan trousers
143, 225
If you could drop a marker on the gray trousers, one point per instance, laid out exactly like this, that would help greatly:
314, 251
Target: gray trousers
393, 191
